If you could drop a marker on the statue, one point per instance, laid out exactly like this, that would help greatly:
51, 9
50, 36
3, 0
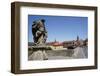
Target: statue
39, 36
39, 32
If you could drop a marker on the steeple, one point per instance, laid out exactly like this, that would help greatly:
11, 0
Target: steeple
77, 38
55, 40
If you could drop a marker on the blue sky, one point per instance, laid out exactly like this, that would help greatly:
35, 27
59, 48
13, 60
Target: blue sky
61, 28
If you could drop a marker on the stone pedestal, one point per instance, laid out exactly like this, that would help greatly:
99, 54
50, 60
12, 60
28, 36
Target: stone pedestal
79, 53
39, 53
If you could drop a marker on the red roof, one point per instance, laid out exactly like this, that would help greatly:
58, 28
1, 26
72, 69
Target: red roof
57, 44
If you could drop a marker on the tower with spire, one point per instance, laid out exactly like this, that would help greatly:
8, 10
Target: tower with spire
77, 38
55, 41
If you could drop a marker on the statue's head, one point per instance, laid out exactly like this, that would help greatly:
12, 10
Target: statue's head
42, 20
39, 23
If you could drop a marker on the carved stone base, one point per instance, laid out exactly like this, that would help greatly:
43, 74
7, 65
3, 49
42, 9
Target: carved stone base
38, 55
35, 48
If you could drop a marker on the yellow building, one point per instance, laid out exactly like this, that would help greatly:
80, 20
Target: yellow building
57, 45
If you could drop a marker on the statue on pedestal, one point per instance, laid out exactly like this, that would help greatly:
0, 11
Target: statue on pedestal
39, 36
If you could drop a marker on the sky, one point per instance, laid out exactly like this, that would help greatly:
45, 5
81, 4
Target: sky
61, 28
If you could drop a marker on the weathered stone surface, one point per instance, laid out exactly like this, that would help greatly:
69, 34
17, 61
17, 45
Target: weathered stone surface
38, 55
41, 48
79, 53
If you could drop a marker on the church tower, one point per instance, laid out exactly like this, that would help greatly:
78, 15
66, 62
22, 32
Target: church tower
77, 38
55, 41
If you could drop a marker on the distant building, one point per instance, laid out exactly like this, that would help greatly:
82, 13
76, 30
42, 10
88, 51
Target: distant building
75, 43
55, 45
85, 42
68, 44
